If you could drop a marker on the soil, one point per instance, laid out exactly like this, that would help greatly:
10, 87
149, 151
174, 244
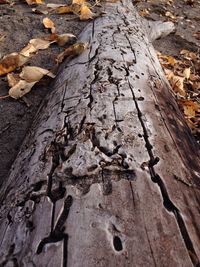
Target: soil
19, 24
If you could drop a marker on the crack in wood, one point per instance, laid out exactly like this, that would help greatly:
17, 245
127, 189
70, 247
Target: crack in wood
168, 204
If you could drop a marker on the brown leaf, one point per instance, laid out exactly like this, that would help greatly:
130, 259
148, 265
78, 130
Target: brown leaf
32, 2
49, 24
64, 9
73, 50
11, 62
86, 13
189, 107
78, 2
66, 38
40, 10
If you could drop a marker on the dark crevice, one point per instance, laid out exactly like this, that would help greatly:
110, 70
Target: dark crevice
117, 243
58, 234
132, 49
168, 204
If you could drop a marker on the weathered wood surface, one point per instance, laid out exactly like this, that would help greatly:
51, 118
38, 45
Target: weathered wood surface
109, 174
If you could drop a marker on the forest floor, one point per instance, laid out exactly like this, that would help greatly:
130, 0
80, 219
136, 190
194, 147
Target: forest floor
19, 24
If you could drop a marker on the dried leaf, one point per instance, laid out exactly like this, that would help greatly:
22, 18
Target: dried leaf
13, 79
86, 13
34, 74
73, 50
40, 44
48, 23
53, 5
189, 107
186, 73
32, 2
28, 50
40, 10
177, 84
78, 2
11, 62
20, 89
66, 38
64, 10
2, 37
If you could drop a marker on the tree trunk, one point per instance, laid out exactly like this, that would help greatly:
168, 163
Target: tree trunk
109, 174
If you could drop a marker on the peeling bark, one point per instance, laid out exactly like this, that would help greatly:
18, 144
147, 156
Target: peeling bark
109, 174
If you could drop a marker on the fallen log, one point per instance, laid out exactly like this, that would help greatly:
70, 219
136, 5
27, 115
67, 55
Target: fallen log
109, 173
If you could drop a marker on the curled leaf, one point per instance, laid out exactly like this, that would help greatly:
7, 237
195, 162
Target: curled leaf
66, 38
49, 24
11, 62
73, 50
13, 79
86, 13
177, 84
28, 50
189, 107
20, 89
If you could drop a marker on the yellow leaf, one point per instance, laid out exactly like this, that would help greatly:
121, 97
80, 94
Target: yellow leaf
177, 84
189, 107
48, 23
34, 74
86, 13
20, 89
186, 73
78, 2
32, 2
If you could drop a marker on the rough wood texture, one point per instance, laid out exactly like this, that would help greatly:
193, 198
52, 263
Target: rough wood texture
109, 174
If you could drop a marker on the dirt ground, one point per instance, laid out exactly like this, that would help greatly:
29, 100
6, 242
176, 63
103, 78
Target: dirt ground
19, 24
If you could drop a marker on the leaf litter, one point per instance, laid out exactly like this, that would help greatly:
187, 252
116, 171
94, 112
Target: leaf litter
183, 75
22, 83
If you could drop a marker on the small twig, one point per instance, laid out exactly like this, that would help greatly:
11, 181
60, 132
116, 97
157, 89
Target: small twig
4, 96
